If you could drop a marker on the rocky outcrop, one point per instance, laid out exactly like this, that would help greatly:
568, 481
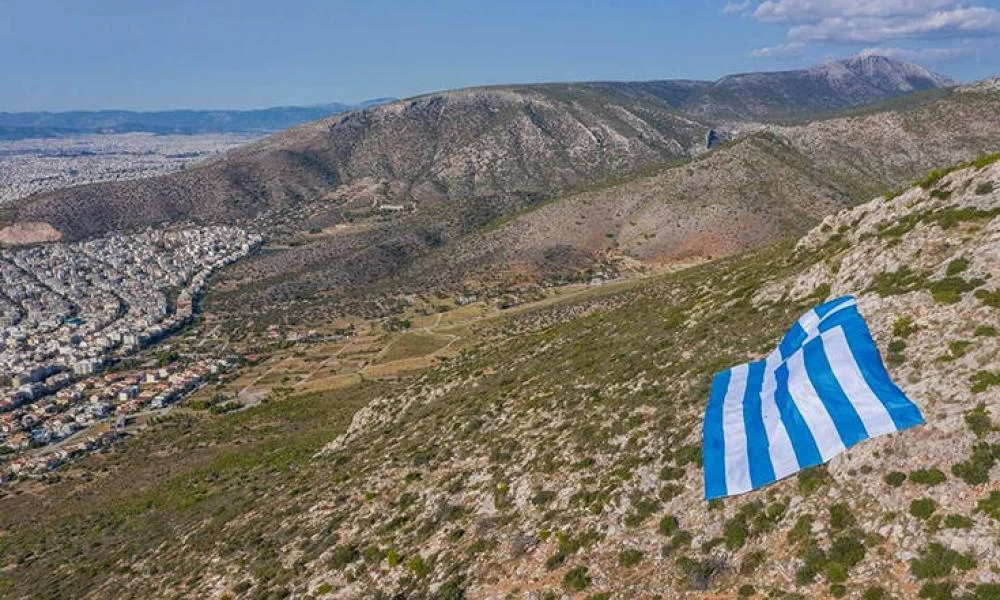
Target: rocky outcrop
27, 233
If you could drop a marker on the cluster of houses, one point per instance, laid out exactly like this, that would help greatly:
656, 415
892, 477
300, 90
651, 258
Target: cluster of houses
111, 397
68, 310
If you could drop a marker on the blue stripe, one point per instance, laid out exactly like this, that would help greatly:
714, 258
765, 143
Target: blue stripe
792, 340
903, 412
849, 425
713, 443
847, 315
761, 470
824, 309
803, 443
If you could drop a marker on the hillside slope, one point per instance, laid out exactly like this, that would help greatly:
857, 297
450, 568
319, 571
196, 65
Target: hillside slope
768, 184
773, 183
561, 457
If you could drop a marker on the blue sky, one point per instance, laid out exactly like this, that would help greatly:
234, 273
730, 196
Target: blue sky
152, 54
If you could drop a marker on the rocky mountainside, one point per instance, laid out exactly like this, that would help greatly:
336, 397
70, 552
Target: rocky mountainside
477, 145
834, 86
772, 182
561, 457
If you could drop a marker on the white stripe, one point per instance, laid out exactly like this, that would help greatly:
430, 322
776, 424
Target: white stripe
871, 410
734, 431
812, 409
783, 459
815, 331
809, 321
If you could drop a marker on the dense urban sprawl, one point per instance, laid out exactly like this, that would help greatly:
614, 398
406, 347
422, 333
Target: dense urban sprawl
33, 165
67, 311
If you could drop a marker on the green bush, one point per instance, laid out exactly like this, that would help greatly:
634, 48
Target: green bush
746, 591
927, 476
937, 561
801, 530
418, 567
990, 505
990, 298
812, 479
576, 579
688, 455
957, 266
555, 561
323, 588
895, 355
393, 558
950, 289
903, 327
922, 508
813, 561
958, 348
894, 479
642, 508
931, 179
838, 590
669, 473
668, 525
874, 593
957, 522
450, 590
629, 557
670, 491
900, 281
983, 380
985, 331
841, 516
939, 590
343, 556
984, 188
752, 561
847, 549
542, 498
976, 470
835, 572
735, 534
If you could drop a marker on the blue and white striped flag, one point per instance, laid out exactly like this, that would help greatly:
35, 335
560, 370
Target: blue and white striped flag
821, 391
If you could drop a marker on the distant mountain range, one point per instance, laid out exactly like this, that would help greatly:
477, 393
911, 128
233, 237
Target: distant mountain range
774, 95
22, 125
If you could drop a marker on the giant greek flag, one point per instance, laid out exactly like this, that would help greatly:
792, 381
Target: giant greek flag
822, 390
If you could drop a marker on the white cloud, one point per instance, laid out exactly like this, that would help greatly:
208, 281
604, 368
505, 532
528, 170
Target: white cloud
779, 51
874, 22
955, 24
804, 11
736, 7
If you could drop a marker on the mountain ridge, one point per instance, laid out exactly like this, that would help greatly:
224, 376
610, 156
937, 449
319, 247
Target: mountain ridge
41, 124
